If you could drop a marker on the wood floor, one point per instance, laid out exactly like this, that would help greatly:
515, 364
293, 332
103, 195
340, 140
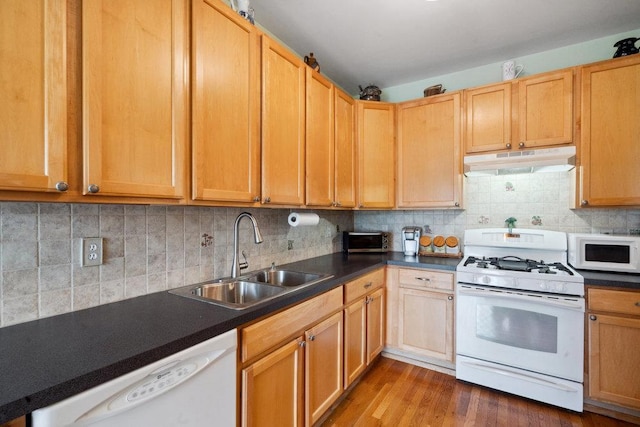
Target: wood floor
397, 394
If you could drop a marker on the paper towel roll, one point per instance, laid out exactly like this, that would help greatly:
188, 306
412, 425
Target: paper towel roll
296, 219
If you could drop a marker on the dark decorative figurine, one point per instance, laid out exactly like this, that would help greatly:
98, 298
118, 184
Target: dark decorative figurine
370, 93
626, 47
311, 62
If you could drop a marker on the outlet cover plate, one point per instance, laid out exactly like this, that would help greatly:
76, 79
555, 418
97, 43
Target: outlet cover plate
91, 251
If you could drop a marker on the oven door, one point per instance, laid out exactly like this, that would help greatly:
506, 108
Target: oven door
539, 333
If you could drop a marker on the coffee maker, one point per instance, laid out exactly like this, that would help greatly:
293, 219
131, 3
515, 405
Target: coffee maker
411, 240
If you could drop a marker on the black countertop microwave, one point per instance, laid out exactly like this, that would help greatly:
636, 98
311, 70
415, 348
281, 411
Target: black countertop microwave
365, 241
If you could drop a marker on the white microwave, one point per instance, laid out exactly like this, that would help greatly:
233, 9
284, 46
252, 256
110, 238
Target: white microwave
604, 252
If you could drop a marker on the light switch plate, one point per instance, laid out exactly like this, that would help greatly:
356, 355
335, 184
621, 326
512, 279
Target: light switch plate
91, 251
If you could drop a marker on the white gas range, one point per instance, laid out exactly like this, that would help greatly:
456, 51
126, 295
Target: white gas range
520, 315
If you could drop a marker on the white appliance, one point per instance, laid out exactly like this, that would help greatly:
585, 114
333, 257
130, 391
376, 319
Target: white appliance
603, 252
520, 316
411, 240
194, 387
554, 159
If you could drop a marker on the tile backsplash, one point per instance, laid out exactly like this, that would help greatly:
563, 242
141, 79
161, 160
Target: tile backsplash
146, 249
154, 248
535, 200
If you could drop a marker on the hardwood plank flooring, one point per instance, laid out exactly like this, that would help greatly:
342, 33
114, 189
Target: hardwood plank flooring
397, 394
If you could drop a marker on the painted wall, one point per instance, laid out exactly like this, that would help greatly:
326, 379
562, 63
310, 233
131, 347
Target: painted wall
146, 249
569, 56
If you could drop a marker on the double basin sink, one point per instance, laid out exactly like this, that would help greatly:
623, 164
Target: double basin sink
250, 289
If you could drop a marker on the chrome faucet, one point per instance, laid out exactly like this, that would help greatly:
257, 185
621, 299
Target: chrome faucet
236, 265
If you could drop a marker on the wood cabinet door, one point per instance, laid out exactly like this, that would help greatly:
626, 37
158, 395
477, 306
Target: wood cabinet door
272, 393
323, 367
546, 109
610, 144
283, 125
33, 90
225, 105
376, 154
425, 323
375, 324
134, 97
488, 118
319, 149
429, 153
614, 359
355, 341
345, 150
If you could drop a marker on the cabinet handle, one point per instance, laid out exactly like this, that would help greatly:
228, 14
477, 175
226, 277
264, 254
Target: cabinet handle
424, 279
593, 317
256, 199
62, 186
450, 297
521, 145
93, 188
508, 146
302, 343
312, 337
584, 202
638, 304
267, 200
368, 284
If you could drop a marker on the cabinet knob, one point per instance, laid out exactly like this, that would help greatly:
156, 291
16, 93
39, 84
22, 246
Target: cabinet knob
450, 297
312, 337
256, 199
593, 317
267, 200
338, 204
302, 343
521, 145
508, 146
361, 205
93, 188
638, 304
456, 204
62, 186
584, 202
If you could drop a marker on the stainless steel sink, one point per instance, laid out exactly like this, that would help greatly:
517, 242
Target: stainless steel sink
286, 278
236, 294
250, 289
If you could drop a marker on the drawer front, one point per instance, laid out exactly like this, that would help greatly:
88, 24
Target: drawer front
426, 279
625, 302
273, 330
363, 285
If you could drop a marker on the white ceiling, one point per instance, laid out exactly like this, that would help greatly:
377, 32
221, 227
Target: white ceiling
391, 42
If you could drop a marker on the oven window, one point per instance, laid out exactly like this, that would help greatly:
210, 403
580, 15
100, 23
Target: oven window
607, 253
517, 328
366, 241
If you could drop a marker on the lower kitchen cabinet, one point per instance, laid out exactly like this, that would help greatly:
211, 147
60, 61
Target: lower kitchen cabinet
323, 367
420, 319
364, 323
272, 388
292, 363
613, 327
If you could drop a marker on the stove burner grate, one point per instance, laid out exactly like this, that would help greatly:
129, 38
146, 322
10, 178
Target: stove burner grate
514, 263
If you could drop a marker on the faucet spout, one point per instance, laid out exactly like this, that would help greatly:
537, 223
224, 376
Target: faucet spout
236, 266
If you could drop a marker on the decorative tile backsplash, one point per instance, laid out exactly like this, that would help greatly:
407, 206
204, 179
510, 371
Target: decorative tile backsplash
146, 249
535, 200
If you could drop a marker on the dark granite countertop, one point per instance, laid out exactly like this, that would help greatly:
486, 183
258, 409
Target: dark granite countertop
50, 359
617, 280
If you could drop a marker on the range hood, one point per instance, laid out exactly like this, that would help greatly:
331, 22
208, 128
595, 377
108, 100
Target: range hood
523, 161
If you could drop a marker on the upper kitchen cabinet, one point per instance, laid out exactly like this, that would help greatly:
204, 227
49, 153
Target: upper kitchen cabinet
546, 109
610, 137
488, 118
135, 92
33, 85
429, 152
345, 150
283, 125
376, 154
525, 113
225, 105
320, 166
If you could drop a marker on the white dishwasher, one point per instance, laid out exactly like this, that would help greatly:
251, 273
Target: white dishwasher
195, 387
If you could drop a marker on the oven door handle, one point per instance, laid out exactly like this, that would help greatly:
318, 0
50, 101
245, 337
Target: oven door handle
521, 376
575, 305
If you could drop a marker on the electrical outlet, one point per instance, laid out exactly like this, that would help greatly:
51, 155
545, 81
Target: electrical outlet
91, 251
289, 244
